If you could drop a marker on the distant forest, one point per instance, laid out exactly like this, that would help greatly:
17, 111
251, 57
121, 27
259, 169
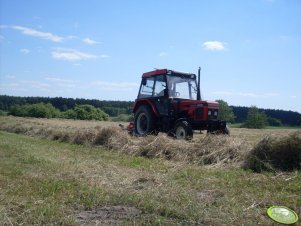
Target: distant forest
115, 108
112, 108
288, 118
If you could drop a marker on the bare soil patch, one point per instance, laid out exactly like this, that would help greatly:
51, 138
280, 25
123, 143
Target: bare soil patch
106, 215
208, 197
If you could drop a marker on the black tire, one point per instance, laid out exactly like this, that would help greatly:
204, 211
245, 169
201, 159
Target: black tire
183, 130
144, 121
225, 131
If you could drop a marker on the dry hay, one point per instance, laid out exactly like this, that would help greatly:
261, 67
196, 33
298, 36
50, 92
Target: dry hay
208, 150
274, 153
204, 150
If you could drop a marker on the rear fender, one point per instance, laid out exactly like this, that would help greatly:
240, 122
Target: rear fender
147, 103
180, 119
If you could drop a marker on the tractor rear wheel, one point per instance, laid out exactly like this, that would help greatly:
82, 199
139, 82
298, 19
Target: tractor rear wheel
144, 121
183, 130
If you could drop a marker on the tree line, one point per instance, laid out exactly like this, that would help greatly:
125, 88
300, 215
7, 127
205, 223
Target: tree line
42, 110
112, 108
121, 109
287, 118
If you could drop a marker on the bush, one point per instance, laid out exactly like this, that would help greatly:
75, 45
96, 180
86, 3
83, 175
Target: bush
255, 119
225, 112
3, 113
69, 114
39, 110
85, 112
123, 118
274, 122
272, 154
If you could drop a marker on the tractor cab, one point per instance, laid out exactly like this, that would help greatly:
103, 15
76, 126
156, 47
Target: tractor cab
170, 101
169, 84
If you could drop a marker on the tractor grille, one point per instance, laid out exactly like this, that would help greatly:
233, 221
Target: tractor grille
212, 113
199, 113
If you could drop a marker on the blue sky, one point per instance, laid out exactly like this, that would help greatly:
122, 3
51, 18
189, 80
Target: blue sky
249, 51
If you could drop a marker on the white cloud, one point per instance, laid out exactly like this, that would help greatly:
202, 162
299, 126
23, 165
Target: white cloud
90, 41
163, 54
39, 34
71, 55
115, 85
104, 56
35, 84
246, 94
25, 51
11, 87
10, 76
226, 93
293, 97
59, 80
214, 45
25, 85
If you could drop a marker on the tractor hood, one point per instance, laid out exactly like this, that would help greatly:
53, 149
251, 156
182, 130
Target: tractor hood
196, 103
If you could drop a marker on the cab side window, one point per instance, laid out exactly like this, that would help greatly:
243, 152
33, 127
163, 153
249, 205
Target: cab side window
147, 87
160, 86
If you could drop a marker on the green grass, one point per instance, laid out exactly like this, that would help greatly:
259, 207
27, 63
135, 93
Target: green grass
46, 182
283, 127
238, 125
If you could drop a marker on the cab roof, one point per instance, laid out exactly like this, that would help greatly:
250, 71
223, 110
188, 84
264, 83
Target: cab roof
166, 72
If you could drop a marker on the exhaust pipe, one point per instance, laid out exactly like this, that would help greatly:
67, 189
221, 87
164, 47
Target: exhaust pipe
198, 95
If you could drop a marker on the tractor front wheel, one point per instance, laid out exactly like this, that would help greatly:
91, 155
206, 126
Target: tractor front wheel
144, 121
183, 130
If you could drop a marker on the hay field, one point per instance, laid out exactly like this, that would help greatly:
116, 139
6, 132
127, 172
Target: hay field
203, 149
93, 173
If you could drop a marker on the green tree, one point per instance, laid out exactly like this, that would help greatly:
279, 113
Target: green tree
2, 113
89, 112
69, 114
255, 119
39, 110
123, 118
17, 110
225, 111
274, 121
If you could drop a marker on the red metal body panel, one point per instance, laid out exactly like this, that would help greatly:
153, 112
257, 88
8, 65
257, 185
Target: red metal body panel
156, 72
190, 107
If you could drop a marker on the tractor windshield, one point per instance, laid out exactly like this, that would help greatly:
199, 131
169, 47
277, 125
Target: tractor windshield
182, 87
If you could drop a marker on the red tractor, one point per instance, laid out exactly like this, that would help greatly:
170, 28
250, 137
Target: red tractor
170, 101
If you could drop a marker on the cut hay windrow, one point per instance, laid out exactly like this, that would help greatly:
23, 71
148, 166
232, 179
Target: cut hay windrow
274, 153
213, 150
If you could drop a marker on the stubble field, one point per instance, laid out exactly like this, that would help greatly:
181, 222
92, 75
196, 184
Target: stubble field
92, 173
